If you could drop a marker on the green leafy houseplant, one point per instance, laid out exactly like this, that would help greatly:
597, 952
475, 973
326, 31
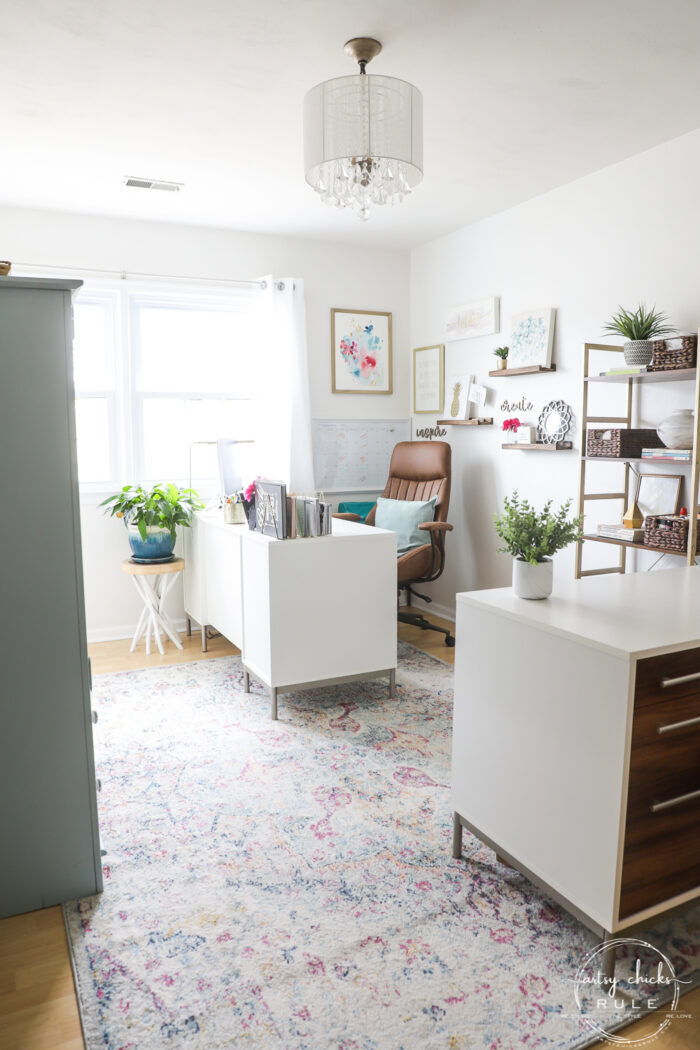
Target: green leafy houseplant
165, 506
501, 352
639, 324
532, 536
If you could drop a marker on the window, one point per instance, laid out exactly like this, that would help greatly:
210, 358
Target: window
95, 377
155, 372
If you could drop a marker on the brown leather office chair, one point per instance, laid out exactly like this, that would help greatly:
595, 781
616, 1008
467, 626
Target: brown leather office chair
420, 470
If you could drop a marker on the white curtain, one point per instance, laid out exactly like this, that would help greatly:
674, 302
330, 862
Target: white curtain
283, 442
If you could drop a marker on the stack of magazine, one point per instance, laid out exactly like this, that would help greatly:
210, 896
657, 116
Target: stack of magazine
621, 532
308, 516
668, 455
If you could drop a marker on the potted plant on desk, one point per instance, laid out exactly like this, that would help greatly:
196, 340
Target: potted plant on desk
532, 538
151, 517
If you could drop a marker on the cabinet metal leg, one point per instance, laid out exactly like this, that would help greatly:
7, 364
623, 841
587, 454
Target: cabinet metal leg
456, 836
204, 638
607, 959
246, 682
392, 683
189, 626
273, 703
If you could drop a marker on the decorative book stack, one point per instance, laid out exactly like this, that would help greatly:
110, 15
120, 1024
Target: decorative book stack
668, 455
621, 532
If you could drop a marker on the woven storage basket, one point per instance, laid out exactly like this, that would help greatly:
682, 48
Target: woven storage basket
670, 354
667, 531
627, 444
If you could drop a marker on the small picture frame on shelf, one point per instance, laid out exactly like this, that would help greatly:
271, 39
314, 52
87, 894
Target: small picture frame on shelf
659, 493
457, 405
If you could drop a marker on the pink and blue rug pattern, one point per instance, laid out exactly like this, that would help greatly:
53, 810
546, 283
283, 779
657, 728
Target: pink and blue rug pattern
290, 884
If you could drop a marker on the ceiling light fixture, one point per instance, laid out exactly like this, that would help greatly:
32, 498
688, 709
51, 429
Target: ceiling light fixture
363, 136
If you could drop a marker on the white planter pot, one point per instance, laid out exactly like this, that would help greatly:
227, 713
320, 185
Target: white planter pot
532, 581
678, 429
638, 352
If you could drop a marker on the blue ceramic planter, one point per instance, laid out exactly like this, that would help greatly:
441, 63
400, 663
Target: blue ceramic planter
158, 543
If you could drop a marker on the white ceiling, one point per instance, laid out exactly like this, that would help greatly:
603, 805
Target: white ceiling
519, 96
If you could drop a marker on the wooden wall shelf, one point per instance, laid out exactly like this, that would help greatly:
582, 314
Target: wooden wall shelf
528, 370
486, 422
540, 446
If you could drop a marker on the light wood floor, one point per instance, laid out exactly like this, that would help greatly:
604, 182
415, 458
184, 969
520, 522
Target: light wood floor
38, 1008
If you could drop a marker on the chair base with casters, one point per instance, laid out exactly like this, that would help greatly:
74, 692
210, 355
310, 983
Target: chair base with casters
416, 619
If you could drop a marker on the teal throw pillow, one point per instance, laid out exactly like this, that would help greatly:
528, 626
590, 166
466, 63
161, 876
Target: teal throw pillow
403, 517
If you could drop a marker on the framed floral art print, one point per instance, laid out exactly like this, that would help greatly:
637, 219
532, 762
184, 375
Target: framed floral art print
361, 352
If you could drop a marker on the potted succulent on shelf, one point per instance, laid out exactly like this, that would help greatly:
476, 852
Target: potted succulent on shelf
532, 538
639, 328
151, 517
501, 352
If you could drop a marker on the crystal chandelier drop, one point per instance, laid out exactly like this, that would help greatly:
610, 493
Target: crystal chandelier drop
363, 136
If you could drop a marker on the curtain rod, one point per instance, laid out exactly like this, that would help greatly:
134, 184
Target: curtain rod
125, 274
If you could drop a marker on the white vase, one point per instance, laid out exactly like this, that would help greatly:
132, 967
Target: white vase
532, 581
678, 429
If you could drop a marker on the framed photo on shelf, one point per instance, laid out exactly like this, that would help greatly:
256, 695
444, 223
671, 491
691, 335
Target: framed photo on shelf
659, 493
457, 390
271, 508
532, 338
428, 379
361, 352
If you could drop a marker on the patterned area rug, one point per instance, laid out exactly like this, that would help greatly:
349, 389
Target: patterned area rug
290, 884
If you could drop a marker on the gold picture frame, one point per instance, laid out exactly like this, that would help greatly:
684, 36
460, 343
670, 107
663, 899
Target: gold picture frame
429, 379
361, 352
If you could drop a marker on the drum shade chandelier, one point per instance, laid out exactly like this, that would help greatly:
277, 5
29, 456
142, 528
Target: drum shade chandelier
363, 136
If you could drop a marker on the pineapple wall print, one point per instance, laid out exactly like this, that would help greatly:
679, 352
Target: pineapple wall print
454, 407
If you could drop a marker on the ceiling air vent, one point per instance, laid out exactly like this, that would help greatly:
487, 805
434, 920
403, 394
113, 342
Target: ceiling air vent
152, 184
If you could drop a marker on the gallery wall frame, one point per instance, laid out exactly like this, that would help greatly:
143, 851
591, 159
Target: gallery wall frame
361, 352
428, 379
476, 318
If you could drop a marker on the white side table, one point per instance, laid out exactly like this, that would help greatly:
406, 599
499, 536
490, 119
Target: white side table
153, 583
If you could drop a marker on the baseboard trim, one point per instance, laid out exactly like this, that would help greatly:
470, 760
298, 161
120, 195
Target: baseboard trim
440, 610
116, 634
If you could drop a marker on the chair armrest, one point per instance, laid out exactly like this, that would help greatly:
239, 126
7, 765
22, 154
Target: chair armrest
436, 526
348, 517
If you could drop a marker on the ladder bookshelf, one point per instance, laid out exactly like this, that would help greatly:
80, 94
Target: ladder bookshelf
623, 492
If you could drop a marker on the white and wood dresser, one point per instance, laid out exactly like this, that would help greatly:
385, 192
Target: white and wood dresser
576, 751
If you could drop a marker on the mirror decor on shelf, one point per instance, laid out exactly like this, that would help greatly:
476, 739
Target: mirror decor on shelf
554, 422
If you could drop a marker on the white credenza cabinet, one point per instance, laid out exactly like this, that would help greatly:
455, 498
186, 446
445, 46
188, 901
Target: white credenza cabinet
576, 750
304, 612
49, 838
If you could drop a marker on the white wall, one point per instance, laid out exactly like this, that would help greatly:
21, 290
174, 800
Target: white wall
335, 276
626, 234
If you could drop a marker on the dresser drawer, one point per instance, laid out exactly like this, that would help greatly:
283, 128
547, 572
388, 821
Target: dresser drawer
662, 834
667, 677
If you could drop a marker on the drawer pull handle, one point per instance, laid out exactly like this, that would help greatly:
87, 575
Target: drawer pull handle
679, 725
666, 683
657, 807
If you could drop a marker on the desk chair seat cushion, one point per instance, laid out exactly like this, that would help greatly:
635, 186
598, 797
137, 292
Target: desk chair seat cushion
416, 564
403, 517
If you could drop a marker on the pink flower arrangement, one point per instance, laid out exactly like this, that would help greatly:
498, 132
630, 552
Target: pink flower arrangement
512, 424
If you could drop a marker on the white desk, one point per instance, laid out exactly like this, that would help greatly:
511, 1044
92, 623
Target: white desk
576, 748
304, 613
